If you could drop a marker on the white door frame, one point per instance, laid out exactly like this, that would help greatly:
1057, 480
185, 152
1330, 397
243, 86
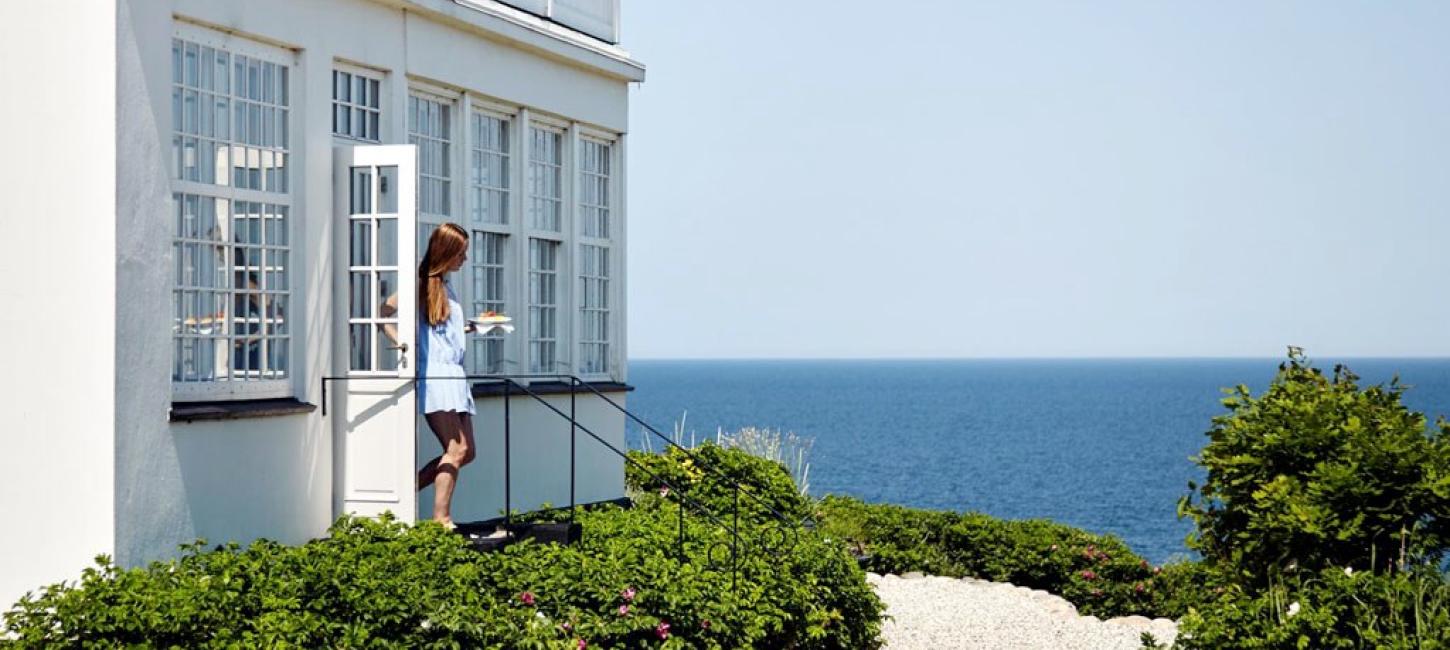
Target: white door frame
374, 330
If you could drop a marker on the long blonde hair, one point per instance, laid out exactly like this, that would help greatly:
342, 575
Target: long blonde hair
448, 243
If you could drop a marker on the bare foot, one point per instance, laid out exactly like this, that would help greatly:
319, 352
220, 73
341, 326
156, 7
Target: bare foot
446, 523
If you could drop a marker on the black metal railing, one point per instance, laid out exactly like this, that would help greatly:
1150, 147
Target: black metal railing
786, 531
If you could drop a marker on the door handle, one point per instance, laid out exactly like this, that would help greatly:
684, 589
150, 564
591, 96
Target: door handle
401, 347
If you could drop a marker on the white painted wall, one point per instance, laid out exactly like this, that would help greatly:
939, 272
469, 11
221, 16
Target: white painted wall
272, 477
57, 303
539, 451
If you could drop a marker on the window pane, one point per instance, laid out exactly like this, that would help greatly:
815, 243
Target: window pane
360, 305
361, 243
388, 189
387, 242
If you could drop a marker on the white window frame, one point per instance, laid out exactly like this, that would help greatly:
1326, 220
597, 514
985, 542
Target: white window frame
513, 296
607, 242
371, 74
427, 221
262, 388
564, 304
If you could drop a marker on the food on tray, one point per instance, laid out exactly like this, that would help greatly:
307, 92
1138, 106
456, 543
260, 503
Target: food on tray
489, 318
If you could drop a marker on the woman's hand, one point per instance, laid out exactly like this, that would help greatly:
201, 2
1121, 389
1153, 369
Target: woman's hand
469, 328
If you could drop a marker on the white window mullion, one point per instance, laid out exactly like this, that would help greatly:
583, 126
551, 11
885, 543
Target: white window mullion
519, 247
618, 227
569, 302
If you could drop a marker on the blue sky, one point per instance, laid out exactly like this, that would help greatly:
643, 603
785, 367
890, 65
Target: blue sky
1030, 179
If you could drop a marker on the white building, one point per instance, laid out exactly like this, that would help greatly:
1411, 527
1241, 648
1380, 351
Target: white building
205, 201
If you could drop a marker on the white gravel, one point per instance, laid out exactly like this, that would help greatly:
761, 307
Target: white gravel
929, 612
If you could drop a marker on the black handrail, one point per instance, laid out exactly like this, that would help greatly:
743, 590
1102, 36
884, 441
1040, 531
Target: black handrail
510, 381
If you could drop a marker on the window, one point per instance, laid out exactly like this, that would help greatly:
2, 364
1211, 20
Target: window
430, 126
543, 304
230, 188
355, 106
488, 185
594, 309
489, 293
594, 252
489, 169
546, 170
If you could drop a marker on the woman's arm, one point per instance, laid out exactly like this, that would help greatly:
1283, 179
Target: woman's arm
387, 310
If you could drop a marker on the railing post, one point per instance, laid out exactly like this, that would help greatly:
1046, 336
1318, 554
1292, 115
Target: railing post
573, 435
735, 542
508, 510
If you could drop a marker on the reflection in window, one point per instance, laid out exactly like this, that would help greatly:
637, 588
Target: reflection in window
230, 137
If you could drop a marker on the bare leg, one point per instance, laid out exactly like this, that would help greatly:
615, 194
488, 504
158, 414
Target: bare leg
455, 434
429, 472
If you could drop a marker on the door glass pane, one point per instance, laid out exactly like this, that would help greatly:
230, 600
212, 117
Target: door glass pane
362, 190
388, 189
362, 242
386, 355
362, 294
361, 345
387, 242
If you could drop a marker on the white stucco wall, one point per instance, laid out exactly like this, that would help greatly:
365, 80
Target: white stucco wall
273, 477
57, 255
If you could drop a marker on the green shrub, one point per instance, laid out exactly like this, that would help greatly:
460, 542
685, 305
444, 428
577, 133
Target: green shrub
1331, 610
1319, 473
383, 584
1097, 573
767, 487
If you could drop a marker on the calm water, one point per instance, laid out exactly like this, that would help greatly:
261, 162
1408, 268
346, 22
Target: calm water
1100, 444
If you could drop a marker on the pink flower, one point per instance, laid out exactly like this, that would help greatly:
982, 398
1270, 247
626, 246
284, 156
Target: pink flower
628, 593
705, 624
582, 644
664, 491
662, 630
624, 610
1052, 548
1138, 587
567, 626
1157, 570
527, 597
1089, 575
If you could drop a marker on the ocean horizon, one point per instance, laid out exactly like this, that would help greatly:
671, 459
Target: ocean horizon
1102, 443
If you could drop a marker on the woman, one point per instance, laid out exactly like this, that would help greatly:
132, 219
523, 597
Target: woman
443, 393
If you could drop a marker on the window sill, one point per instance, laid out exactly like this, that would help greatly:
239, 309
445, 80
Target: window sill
496, 388
237, 409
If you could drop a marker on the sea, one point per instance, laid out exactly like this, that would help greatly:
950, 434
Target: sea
1102, 444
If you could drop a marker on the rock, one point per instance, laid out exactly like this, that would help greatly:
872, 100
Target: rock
912, 575
1132, 621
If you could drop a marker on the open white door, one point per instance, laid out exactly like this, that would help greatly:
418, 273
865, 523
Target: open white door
374, 330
